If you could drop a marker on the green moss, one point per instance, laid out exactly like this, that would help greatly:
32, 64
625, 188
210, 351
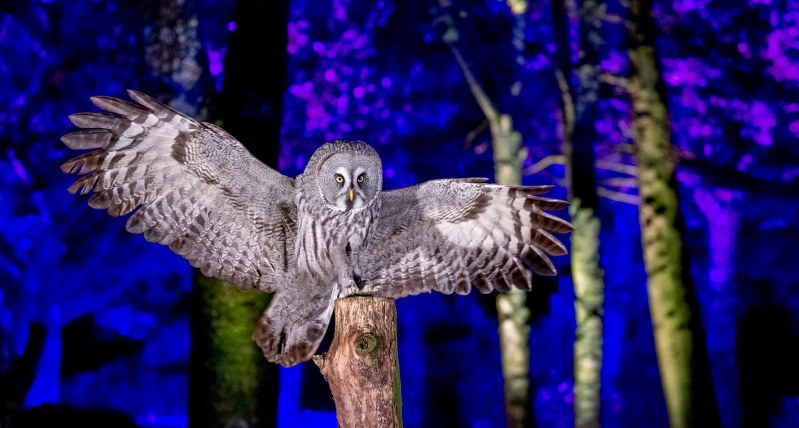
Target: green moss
368, 346
396, 385
231, 382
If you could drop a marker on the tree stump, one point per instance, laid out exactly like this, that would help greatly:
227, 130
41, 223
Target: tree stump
361, 366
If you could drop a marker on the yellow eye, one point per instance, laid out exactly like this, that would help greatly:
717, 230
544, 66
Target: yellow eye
360, 178
339, 179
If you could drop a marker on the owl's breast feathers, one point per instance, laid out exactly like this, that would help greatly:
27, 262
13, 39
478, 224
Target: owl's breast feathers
321, 231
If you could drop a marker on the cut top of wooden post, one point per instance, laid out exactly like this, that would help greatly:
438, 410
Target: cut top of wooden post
362, 366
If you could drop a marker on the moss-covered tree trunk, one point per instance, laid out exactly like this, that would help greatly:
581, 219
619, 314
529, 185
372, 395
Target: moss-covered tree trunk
231, 383
579, 113
679, 339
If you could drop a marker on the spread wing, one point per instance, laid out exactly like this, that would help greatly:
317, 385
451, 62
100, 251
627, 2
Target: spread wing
446, 235
200, 191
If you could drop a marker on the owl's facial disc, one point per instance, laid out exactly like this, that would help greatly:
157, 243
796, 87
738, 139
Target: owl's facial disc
350, 180
349, 195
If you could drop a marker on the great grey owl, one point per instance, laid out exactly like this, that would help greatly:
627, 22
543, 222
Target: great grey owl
329, 233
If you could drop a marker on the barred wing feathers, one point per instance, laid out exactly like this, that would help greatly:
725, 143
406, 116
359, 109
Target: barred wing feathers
200, 191
446, 235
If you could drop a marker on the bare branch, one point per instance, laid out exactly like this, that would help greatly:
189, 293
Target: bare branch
618, 196
621, 182
615, 80
544, 164
568, 105
616, 19
617, 167
470, 137
485, 103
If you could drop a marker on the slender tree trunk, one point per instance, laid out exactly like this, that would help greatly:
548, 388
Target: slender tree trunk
514, 331
362, 366
579, 137
679, 339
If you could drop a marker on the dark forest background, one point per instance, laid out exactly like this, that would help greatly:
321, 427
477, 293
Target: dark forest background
95, 324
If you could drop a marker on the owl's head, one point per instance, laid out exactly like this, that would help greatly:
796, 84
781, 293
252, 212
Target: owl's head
349, 174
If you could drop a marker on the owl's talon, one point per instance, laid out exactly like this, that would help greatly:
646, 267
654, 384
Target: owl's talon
348, 291
354, 290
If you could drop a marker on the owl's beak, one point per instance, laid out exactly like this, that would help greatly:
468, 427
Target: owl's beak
351, 194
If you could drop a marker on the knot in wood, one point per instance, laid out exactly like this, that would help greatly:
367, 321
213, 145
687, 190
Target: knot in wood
367, 346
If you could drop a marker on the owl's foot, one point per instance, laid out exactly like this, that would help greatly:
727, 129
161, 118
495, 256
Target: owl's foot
355, 290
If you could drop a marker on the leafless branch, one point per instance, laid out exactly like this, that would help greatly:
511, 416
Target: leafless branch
616, 19
621, 182
624, 148
544, 164
618, 196
485, 103
617, 167
615, 80
568, 106
470, 137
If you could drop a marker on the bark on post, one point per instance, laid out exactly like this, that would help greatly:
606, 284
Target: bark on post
679, 337
361, 366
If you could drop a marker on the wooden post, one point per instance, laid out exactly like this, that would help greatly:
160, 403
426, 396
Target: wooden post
361, 366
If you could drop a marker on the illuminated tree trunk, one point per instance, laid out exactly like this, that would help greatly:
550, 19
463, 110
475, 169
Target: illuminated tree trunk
362, 366
514, 331
230, 383
679, 339
579, 137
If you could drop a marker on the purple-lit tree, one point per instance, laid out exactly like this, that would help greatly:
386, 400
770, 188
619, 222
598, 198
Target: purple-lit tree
672, 299
579, 112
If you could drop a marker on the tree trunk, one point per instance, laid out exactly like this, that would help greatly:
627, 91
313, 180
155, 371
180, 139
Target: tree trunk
231, 384
679, 339
361, 366
514, 331
579, 114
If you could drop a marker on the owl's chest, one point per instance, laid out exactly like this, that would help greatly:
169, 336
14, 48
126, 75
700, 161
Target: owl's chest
325, 238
